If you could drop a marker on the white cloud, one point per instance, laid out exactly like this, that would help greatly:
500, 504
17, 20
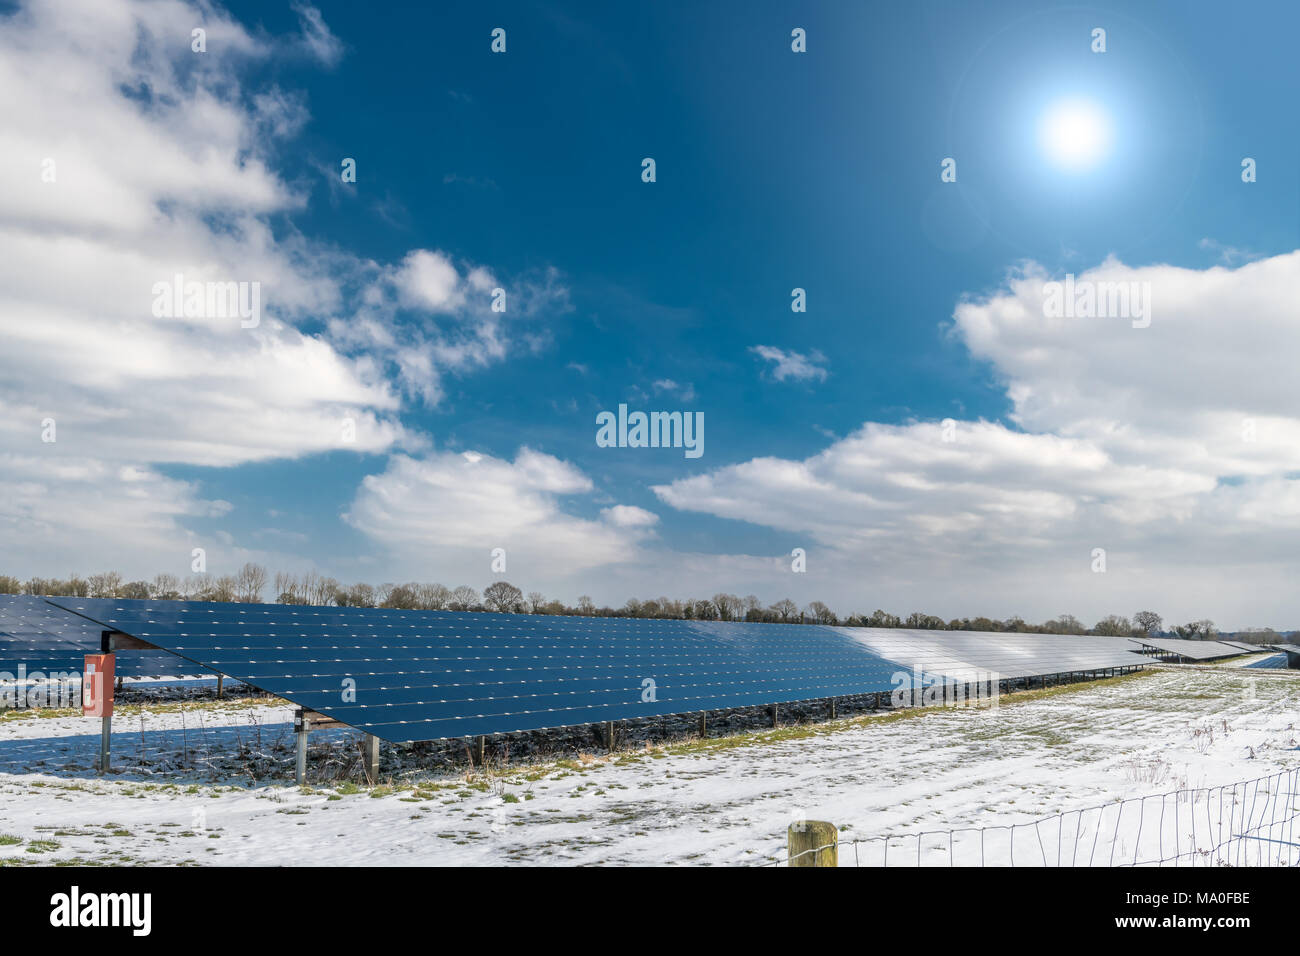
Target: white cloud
165, 180
429, 317
160, 166
317, 39
792, 365
440, 516
1169, 446
629, 516
667, 386
66, 509
428, 280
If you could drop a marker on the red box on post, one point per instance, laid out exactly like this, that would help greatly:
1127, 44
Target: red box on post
97, 686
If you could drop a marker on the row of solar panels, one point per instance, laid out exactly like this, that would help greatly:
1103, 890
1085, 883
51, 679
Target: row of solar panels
37, 638
420, 675
1292, 652
1198, 650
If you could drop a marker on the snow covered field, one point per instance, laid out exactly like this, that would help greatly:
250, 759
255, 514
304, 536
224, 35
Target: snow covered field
180, 789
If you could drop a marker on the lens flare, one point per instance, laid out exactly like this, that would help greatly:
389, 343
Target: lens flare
1075, 134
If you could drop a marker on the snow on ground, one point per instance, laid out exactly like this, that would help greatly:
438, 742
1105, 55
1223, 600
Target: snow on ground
189, 783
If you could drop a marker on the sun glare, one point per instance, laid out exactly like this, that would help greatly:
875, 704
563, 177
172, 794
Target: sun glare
1075, 134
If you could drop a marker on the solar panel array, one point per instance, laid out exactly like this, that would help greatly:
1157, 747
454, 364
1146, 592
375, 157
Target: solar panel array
1252, 648
958, 653
424, 675
38, 638
1192, 650
1274, 661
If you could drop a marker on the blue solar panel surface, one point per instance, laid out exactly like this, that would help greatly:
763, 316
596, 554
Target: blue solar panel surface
424, 675
1275, 661
41, 638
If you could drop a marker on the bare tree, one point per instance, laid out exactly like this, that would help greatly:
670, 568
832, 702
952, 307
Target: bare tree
1149, 621
1112, 625
403, 596
536, 600
165, 587
1065, 624
105, 585
134, 591
464, 598
1202, 630
433, 597
287, 590
503, 597
820, 613
221, 589
585, 606
250, 581
703, 610
926, 622
359, 595
728, 606
324, 591
785, 609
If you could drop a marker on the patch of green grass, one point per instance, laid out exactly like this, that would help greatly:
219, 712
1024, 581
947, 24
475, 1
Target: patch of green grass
8, 839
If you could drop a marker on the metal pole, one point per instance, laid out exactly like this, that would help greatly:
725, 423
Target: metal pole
105, 734
371, 748
302, 729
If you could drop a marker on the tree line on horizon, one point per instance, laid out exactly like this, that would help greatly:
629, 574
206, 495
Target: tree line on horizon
249, 585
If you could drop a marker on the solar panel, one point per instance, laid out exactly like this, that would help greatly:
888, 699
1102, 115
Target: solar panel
424, 675
36, 637
1192, 650
1242, 645
1274, 661
1010, 655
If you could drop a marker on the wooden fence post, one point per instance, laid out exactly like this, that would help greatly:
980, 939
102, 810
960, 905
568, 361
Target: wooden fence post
812, 843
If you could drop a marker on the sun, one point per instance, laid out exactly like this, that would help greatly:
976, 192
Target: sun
1075, 134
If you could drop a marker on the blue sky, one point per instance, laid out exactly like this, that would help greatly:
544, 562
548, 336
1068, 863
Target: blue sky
775, 170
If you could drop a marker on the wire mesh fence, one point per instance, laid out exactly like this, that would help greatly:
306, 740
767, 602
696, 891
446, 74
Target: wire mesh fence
1248, 823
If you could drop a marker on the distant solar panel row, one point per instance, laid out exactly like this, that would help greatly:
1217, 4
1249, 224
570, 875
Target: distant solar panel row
1242, 645
1012, 656
422, 675
38, 638
1274, 661
1192, 650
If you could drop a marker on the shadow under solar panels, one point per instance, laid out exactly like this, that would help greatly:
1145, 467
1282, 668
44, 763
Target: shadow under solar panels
36, 637
424, 675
